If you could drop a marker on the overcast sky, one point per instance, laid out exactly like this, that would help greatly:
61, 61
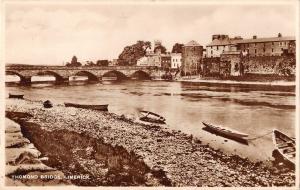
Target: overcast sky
53, 33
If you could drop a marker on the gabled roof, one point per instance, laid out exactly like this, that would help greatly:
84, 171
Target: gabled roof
192, 43
217, 42
272, 39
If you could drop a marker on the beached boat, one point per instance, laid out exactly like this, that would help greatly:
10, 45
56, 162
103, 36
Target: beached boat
19, 96
152, 117
103, 107
226, 132
285, 146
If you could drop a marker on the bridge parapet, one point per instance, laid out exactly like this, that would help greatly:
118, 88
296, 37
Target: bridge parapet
80, 68
62, 73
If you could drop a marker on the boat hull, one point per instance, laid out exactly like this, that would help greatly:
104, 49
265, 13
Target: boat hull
21, 96
285, 147
92, 107
151, 117
227, 134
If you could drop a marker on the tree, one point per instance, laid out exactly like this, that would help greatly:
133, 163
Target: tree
160, 48
177, 48
74, 62
132, 53
102, 63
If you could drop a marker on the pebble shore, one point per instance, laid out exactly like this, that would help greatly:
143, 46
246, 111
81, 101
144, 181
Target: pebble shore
182, 159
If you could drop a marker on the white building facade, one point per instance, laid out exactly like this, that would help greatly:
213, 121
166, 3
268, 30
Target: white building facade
176, 60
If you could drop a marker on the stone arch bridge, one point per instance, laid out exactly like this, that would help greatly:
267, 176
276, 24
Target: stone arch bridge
62, 73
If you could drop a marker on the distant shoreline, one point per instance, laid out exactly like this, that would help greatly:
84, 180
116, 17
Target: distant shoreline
216, 81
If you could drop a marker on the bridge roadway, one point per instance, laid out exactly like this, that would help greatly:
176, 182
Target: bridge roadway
62, 73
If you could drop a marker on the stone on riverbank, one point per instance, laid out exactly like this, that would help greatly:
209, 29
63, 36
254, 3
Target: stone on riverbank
114, 151
22, 158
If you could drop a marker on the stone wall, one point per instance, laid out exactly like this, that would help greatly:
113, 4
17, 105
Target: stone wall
280, 65
267, 65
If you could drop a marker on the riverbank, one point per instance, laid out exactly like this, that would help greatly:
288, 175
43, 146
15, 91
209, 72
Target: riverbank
234, 82
113, 150
24, 163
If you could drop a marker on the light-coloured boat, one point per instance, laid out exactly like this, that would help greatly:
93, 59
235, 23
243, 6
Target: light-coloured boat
285, 146
152, 117
226, 132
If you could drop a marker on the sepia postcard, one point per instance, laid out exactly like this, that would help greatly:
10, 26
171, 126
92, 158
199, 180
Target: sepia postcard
141, 94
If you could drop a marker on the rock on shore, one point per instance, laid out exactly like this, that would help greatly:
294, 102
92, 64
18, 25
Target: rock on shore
116, 151
22, 158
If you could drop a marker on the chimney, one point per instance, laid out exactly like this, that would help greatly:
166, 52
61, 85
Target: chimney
279, 35
255, 37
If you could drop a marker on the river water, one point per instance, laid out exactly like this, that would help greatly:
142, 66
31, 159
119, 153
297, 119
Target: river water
255, 110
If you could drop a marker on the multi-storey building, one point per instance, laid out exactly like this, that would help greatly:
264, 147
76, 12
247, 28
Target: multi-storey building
220, 43
273, 46
166, 61
191, 58
176, 60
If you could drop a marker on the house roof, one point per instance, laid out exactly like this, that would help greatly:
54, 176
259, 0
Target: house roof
272, 39
192, 43
217, 42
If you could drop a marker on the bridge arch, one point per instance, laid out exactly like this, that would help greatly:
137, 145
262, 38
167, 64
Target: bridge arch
91, 76
114, 73
14, 73
58, 77
23, 79
141, 75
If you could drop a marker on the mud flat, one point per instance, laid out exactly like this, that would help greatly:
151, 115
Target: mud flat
114, 151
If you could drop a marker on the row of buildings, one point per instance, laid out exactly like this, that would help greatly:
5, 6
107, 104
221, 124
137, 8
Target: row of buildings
160, 59
272, 46
223, 47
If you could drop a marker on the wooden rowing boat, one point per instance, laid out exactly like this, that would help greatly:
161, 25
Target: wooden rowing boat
152, 117
19, 96
103, 107
226, 132
285, 146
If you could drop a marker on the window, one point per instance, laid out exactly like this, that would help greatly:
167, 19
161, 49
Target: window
255, 51
272, 43
217, 47
272, 50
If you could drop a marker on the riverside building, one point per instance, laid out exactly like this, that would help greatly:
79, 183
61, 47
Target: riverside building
271, 46
191, 58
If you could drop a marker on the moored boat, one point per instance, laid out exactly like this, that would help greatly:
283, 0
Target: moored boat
19, 96
103, 107
285, 146
226, 132
152, 117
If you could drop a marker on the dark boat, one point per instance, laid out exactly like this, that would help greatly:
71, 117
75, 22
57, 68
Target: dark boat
226, 132
103, 107
285, 146
152, 117
19, 96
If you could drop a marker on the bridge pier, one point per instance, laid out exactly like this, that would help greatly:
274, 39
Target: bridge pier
25, 80
62, 80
